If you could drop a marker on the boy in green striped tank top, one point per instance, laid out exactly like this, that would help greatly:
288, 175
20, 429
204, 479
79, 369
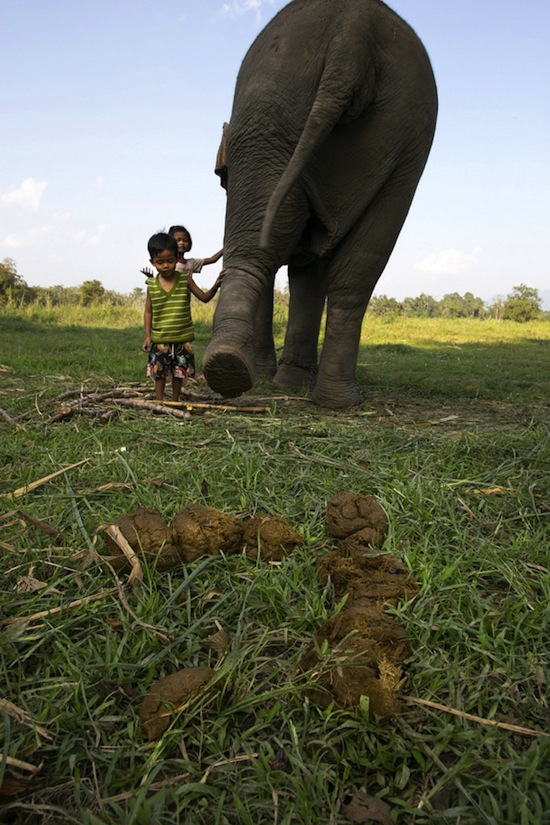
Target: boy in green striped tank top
168, 325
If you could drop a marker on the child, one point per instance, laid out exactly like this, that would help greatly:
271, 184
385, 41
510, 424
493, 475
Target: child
167, 318
183, 238
185, 243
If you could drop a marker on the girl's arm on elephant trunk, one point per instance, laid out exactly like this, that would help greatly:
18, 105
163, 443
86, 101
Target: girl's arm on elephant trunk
213, 258
205, 295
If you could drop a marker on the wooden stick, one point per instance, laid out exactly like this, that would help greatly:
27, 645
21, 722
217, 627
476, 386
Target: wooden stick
153, 787
34, 484
17, 763
117, 536
54, 610
9, 548
246, 757
23, 717
41, 525
154, 406
23, 415
6, 416
503, 725
96, 395
212, 405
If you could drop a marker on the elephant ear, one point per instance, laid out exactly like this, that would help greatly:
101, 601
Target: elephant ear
221, 158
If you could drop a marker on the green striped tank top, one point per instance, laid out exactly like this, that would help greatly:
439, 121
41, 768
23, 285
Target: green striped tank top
172, 321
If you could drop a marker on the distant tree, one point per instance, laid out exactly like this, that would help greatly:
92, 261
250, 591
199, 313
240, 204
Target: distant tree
475, 307
494, 310
523, 304
424, 306
113, 298
61, 294
382, 305
454, 305
136, 297
11, 284
91, 292
281, 297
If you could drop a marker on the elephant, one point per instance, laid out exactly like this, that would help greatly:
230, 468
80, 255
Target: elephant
332, 123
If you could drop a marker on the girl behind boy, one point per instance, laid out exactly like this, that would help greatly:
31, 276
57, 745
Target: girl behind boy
167, 318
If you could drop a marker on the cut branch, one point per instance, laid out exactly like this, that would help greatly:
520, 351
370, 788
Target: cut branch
119, 539
38, 483
64, 607
479, 719
6, 416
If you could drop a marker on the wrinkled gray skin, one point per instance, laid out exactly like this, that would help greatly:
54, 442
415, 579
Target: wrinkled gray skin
332, 122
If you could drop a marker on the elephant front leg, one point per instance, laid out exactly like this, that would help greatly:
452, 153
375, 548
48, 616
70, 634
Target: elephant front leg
308, 287
229, 359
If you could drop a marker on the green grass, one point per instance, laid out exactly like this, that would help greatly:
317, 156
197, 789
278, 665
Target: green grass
453, 439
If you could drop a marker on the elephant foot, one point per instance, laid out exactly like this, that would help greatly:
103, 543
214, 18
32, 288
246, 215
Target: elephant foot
227, 372
267, 366
295, 375
336, 396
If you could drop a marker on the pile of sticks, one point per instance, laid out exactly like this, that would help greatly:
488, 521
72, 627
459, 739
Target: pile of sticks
106, 404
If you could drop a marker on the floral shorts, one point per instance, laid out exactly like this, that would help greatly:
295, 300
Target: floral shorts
177, 359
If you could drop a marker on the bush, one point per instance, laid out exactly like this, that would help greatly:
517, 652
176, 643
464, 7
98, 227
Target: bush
524, 304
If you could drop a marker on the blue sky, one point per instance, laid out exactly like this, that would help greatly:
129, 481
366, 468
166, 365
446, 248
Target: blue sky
112, 113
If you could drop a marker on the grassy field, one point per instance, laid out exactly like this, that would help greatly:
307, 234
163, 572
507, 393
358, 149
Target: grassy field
452, 438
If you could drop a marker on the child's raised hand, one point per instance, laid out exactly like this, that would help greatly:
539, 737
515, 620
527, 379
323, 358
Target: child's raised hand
147, 271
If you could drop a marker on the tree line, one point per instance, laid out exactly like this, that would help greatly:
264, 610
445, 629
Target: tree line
522, 304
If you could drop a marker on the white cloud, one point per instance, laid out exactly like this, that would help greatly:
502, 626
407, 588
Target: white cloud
37, 235
27, 195
57, 233
98, 234
448, 261
239, 7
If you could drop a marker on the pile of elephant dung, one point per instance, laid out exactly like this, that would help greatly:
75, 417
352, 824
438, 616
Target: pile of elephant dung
147, 533
365, 645
197, 531
204, 531
351, 514
379, 578
270, 537
171, 694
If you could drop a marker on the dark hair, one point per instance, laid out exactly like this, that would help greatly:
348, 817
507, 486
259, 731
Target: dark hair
182, 229
159, 242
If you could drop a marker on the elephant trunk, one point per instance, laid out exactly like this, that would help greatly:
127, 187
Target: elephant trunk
229, 361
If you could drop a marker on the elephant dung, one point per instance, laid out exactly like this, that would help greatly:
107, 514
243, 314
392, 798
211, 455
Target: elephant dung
169, 695
363, 541
365, 624
148, 535
364, 649
350, 512
198, 530
270, 537
366, 578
